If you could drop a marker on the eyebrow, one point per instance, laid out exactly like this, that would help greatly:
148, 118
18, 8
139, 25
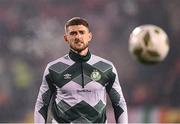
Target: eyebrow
81, 30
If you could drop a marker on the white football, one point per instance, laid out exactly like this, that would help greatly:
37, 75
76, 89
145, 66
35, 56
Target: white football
149, 44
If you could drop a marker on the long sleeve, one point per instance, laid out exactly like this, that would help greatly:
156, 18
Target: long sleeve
116, 96
43, 99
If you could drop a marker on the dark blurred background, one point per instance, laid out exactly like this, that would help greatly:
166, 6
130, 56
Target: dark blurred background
31, 35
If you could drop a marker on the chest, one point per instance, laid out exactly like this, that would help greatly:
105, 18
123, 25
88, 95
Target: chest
80, 76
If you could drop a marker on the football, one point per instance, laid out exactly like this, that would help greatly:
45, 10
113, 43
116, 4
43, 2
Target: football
149, 44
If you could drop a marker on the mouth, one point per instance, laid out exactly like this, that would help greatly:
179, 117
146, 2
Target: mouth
78, 42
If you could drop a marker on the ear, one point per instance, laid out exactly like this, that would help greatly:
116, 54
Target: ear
90, 36
65, 38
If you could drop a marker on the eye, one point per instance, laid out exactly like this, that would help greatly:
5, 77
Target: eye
73, 33
81, 32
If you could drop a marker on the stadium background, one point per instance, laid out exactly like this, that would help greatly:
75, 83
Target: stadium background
31, 35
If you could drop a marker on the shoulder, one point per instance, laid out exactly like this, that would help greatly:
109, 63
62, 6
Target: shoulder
96, 59
100, 62
62, 61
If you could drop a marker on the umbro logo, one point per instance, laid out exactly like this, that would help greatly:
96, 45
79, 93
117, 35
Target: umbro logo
67, 76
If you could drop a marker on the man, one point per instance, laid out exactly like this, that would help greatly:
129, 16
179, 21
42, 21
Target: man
76, 84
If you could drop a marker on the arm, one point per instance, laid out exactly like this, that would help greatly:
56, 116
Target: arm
116, 96
43, 99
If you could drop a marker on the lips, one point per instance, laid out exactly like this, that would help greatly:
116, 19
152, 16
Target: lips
78, 42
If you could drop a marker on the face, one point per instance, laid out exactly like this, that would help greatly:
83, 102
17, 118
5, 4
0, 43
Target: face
78, 37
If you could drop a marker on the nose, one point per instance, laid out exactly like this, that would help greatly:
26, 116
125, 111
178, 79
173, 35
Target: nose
78, 35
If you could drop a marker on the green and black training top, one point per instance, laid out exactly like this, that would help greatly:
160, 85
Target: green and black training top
77, 86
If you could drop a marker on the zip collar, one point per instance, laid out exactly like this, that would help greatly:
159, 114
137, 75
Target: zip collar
78, 58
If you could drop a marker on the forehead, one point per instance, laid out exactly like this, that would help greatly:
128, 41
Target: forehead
77, 28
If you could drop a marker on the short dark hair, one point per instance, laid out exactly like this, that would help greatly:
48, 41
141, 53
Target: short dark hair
76, 21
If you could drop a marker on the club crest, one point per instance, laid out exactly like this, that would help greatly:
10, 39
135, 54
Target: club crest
95, 75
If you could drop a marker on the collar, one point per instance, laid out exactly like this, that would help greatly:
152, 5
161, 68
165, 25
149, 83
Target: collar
79, 58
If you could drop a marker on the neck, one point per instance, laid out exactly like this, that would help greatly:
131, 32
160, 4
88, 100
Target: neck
75, 56
82, 53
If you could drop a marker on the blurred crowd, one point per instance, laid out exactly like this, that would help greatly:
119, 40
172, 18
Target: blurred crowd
31, 35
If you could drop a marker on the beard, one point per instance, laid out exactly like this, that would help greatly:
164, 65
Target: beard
77, 48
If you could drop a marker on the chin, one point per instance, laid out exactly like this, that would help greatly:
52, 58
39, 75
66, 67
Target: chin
79, 49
